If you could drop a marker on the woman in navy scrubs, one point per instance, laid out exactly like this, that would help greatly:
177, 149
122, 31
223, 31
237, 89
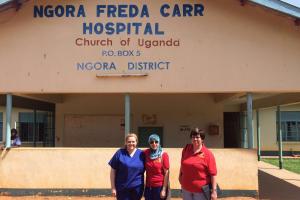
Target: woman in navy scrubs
127, 171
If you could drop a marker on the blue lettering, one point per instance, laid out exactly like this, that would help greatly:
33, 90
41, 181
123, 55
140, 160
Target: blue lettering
80, 66
120, 27
176, 11
38, 11
59, 11
157, 31
88, 28
133, 11
122, 11
70, 10
137, 27
148, 29
199, 9
98, 28
130, 66
81, 11
97, 64
99, 9
144, 11
48, 11
187, 10
110, 28
89, 66
163, 10
111, 10
113, 66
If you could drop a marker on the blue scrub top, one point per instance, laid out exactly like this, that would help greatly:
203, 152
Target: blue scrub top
129, 170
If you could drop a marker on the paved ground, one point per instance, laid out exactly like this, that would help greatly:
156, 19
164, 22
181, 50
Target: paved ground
275, 184
89, 198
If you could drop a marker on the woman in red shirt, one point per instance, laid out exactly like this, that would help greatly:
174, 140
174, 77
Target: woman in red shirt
198, 168
157, 170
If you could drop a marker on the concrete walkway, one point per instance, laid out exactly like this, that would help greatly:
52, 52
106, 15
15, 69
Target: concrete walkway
276, 184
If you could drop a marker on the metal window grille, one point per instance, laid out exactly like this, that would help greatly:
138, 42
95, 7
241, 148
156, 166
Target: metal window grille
41, 131
290, 125
1, 126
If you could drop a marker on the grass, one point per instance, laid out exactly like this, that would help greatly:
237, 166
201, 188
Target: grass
290, 164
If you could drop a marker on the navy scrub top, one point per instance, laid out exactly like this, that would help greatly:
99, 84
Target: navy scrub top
129, 170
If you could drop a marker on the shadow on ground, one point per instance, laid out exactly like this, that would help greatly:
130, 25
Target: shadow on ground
272, 188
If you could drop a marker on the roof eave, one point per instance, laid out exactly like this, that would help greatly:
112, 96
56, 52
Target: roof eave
279, 6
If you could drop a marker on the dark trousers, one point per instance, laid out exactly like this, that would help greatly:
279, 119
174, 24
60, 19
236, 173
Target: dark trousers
135, 193
153, 193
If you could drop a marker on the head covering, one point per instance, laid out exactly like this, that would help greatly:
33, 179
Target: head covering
155, 153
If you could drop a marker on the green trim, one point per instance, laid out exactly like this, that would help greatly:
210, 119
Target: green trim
106, 192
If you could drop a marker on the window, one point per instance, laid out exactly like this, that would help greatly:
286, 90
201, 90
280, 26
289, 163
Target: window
1, 126
290, 126
26, 126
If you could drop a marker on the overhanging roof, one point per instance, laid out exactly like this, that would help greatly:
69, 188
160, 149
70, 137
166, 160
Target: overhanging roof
3, 2
280, 6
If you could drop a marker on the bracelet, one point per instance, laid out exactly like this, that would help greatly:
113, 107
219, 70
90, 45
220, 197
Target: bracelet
212, 190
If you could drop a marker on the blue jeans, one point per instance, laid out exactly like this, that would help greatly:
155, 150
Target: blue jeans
153, 193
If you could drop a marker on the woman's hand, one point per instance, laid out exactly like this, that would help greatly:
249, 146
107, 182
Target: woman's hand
214, 195
114, 192
163, 193
179, 178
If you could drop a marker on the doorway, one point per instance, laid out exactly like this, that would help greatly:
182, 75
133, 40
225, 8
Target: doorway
232, 129
145, 132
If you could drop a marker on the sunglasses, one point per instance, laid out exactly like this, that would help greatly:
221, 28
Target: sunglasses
152, 142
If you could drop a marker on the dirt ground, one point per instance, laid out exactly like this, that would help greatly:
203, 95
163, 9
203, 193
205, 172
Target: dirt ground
89, 198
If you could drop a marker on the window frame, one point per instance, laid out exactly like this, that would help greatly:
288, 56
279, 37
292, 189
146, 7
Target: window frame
290, 127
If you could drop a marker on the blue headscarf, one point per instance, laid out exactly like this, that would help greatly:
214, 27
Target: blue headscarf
157, 152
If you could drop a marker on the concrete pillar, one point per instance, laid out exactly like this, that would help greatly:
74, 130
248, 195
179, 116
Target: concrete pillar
8, 119
127, 114
258, 135
279, 137
249, 121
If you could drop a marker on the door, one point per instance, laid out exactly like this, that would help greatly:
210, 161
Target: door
231, 129
145, 132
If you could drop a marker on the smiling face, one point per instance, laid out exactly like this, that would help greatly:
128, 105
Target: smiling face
131, 143
154, 144
196, 140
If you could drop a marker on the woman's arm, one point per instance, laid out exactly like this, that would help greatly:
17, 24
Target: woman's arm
179, 175
214, 195
112, 182
163, 192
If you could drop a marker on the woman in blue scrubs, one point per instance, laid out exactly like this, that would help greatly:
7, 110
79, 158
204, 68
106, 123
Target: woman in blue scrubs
127, 171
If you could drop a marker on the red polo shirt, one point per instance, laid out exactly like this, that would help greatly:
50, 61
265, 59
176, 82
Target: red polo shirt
154, 169
197, 169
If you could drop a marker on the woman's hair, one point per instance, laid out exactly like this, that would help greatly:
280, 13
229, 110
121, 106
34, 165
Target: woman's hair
197, 131
131, 135
14, 131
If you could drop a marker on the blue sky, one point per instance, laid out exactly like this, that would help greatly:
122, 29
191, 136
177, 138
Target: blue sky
1, 1
293, 2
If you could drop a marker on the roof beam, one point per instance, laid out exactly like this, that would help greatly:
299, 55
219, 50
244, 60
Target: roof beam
51, 98
222, 97
278, 100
